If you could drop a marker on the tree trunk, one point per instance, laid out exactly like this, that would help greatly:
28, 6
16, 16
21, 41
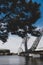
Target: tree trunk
26, 43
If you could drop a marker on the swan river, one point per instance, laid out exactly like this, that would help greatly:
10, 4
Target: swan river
20, 60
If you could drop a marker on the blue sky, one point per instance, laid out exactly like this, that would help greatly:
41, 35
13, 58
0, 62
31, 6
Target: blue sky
40, 21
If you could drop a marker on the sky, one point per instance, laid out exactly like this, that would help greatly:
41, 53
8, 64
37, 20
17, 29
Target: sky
39, 22
14, 42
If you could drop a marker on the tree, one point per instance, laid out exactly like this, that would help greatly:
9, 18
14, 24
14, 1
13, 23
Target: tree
17, 14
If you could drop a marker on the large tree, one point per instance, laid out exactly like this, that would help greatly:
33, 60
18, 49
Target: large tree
18, 14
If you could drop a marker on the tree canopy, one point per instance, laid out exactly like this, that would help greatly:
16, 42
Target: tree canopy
15, 15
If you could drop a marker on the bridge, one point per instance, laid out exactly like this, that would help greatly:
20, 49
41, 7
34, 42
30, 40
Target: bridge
33, 49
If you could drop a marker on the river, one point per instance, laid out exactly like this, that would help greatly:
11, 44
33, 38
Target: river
19, 60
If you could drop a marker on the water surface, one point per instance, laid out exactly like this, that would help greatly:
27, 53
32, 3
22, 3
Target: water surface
18, 60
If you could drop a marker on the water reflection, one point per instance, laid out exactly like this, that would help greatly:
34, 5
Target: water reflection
26, 60
33, 61
18, 60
